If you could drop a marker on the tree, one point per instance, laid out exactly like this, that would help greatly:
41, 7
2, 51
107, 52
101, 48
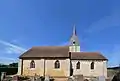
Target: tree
3, 65
13, 65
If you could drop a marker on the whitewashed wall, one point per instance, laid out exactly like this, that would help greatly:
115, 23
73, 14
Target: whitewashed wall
74, 49
100, 68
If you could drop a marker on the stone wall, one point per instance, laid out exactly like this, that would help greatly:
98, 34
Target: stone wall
48, 69
100, 68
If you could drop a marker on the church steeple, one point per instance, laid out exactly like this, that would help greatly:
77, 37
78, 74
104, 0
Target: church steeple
74, 41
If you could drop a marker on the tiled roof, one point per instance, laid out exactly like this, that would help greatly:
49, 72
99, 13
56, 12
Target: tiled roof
60, 51
46, 51
87, 56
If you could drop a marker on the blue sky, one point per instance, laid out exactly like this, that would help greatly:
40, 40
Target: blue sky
27, 23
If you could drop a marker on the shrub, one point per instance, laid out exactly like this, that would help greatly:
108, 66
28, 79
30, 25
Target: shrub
9, 71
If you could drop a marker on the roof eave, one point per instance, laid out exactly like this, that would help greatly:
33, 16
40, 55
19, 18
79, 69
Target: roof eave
88, 59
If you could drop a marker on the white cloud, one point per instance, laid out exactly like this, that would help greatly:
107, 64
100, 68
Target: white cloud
114, 55
64, 44
12, 48
104, 23
9, 52
7, 60
15, 41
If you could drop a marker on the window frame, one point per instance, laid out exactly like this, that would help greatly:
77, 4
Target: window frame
78, 65
92, 66
32, 64
57, 64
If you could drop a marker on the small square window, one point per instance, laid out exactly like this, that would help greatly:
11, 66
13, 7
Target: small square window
73, 42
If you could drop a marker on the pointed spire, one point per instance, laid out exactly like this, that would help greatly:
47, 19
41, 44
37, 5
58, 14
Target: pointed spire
74, 30
74, 39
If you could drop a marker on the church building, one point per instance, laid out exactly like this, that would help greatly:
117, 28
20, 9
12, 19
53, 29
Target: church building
62, 61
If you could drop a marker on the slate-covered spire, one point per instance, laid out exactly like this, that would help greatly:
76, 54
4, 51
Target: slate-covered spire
74, 39
74, 30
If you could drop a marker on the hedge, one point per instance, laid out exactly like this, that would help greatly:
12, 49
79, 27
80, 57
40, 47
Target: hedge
9, 71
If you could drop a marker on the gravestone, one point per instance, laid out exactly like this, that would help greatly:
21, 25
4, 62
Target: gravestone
101, 78
78, 77
3, 75
33, 79
47, 78
70, 79
94, 79
15, 78
38, 79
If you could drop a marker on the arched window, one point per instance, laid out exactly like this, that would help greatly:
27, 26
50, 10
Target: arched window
78, 65
57, 64
32, 64
92, 65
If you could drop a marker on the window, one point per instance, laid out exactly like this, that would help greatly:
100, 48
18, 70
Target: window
73, 42
92, 65
32, 64
78, 65
57, 64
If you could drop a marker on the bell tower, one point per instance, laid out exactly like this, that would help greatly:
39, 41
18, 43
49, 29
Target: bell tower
74, 45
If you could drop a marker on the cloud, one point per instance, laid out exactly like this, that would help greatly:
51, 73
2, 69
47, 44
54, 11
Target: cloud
15, 41
104, 23
64, 44
12, 48
114, 55
9, 52
7, 60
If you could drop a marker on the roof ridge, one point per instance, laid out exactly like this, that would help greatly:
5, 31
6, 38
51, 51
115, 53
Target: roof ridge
48, 46
86, 52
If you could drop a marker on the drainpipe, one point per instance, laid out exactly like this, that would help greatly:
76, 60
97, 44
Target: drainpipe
22, 67
44, 68
70, 62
